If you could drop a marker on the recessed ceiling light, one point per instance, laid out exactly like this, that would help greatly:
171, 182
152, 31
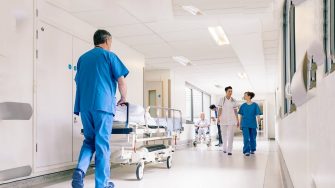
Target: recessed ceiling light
193, 10
182, 60
242, 75
218, 86
218, 35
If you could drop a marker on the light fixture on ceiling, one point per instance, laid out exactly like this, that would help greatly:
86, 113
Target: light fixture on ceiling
218, 86
218, 35
242, 75
182, 60
193, 10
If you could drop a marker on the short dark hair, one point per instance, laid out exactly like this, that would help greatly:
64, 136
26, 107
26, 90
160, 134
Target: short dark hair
229, 87
250, 94
212, 106
101, 36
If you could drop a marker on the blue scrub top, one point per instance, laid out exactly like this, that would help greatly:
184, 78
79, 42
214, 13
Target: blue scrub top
97, 73
249, 113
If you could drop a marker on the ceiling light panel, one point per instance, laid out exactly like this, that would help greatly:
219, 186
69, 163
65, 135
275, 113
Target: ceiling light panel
218, 35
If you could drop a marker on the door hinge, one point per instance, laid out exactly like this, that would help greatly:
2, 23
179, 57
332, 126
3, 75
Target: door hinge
36, 12
36, 148
36, 34
36, 54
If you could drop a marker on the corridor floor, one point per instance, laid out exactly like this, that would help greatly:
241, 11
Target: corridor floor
202, 167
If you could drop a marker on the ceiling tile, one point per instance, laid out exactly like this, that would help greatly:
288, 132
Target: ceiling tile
107, 18
129, 30
148, 10
142, 40
79, 5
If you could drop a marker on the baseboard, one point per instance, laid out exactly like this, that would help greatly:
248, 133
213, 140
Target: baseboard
287, 181
43, 179
67, 174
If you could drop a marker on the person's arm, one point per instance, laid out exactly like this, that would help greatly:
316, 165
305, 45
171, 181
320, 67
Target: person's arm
236, 115
216, 113
122, 89
196, 124
119, 72
219, 110
240, 121
240, 112
219, 114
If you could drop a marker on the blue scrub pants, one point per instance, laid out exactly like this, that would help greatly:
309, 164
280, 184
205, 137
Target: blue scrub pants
97, 132
249, 139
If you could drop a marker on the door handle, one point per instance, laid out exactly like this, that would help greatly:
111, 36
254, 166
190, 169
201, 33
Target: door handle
75, 119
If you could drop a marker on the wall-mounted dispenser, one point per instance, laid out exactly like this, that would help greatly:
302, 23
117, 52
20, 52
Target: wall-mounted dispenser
305, 77
315, 52
297, 2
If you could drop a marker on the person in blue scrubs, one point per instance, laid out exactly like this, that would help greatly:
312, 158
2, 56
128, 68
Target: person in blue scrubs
249, 111
99, 72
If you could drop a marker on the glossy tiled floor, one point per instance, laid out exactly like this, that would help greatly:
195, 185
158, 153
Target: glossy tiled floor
203, 167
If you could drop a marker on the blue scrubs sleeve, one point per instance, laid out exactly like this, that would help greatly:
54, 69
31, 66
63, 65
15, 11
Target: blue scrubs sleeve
241, 110
118, 68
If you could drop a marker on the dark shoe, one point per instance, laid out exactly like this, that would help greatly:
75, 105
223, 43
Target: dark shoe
230, 154
110, 185
218, 145
224, 152
252, 153
247, 154
78, 178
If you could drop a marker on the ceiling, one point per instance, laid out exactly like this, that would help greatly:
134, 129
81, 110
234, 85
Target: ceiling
160, 29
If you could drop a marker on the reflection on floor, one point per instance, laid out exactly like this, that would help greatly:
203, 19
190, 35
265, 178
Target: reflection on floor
203, 167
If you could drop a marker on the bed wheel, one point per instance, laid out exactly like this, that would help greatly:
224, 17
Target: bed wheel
195, 143
169, 162
140, 171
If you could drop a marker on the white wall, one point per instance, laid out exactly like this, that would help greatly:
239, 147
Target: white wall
16, 80
162, 76
306, 136
269, 114
17, 138
134, 61
178, 92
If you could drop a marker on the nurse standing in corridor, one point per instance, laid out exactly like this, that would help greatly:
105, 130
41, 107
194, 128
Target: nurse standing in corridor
249, 111
99, 73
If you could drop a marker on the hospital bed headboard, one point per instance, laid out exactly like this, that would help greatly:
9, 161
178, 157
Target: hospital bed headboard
172, 117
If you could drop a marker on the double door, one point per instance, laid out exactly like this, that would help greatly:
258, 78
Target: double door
57, 134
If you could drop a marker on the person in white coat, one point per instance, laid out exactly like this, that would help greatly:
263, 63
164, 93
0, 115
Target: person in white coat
228, 118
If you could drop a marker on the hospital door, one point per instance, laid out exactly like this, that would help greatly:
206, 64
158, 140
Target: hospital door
58, 138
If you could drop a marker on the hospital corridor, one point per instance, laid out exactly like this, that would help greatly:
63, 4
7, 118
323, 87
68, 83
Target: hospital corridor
167, 93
